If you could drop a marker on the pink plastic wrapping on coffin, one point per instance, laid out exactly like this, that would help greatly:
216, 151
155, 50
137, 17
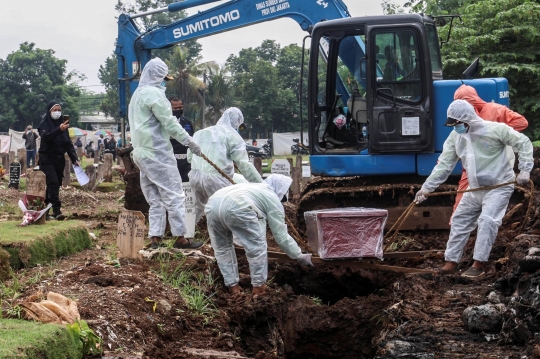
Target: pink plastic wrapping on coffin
346, 232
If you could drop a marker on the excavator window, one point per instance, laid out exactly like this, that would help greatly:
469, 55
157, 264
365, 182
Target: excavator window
341, 90
434, 52
401, 69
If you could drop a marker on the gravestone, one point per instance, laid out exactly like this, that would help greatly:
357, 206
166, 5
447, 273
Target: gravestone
190, 210
297, 180
130, 236
67, 170
14, 175
36, 184
21, 156
96, 156
306, 175
257, 162
281, 166
299, 161
79, 153
5, 161
107, 167
91, 173
99, 173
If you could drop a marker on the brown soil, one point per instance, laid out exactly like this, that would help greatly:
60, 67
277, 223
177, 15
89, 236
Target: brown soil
321, 312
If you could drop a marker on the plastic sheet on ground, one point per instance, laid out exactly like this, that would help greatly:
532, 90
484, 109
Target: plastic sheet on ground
55, 309
346, 232
151, 253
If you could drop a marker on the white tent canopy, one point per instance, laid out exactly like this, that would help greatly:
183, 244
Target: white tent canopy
282, 142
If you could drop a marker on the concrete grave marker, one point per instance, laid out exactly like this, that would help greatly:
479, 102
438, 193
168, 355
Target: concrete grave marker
190, 210
36, 184
130, 236
107, 167
14, 175
282, 167
21, 156
66, 180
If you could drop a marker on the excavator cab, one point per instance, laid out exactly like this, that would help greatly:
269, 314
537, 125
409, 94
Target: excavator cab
370, 85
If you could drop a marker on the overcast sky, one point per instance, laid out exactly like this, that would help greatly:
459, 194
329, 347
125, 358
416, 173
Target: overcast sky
83, 32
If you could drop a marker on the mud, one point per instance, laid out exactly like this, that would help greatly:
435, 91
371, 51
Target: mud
321, 312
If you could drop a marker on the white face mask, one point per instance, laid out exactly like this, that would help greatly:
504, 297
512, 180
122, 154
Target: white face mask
56, 114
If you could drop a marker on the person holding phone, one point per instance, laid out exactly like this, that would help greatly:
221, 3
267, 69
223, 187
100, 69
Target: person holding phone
55, 142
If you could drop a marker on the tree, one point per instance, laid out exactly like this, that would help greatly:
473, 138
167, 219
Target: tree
266, 83
219, 92
504, 34
187, 83
31, 77
108, 76
108, 72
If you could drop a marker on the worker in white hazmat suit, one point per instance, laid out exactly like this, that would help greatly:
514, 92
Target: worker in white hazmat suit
242, 210
152, 125
224, 146
481, 146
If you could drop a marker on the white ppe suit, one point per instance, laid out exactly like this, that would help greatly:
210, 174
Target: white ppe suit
242, 210
224, 147
152, 124
483, 153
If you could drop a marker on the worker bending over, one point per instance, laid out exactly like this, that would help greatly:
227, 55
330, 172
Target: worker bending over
481, 145
224, 146
152, 125
242, 210
489, 111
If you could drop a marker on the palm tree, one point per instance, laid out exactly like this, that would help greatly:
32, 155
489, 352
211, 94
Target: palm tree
187, 83
219, 92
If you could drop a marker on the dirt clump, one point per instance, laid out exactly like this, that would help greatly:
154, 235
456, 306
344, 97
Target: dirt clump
322, 312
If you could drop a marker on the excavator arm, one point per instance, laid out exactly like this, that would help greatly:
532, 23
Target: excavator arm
134, 46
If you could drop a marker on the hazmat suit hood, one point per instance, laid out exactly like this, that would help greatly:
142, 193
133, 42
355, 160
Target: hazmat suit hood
464, 112
279, 183
154, 72
232, 117
469, 94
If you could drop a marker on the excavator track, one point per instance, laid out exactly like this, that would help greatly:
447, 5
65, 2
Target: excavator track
330, 192
340, 192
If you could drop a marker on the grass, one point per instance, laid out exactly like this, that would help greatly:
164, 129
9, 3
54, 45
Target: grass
105, 186
39, 244
12, 287
24, 339
196, 288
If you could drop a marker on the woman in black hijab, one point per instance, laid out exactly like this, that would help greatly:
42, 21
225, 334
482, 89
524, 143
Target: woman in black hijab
55, 142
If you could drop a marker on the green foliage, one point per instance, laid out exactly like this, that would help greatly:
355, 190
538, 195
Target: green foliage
267, 81
196, 288
108, 72
31, 77
38, 244
24, 339
505, 35
86, 339
187, 83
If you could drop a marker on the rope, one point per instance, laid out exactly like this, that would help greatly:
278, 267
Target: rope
217, 168
392, 234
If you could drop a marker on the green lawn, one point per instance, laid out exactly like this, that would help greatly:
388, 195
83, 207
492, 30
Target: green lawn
32, 340
39, 244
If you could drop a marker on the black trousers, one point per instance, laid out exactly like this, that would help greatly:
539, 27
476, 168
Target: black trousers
53, 167
183, 167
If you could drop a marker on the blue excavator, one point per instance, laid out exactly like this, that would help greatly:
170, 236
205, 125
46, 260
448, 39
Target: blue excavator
376, 96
